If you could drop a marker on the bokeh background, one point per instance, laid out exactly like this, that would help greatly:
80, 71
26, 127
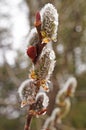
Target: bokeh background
16, 20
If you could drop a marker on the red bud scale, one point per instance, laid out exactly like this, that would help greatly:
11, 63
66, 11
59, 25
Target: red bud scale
38, 19
32, 52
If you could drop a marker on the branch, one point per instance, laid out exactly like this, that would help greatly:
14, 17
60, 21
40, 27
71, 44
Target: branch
28, 122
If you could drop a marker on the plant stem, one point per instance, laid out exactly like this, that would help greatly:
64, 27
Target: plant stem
28, 122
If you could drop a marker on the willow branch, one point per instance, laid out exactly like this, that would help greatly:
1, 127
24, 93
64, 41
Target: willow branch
28, 122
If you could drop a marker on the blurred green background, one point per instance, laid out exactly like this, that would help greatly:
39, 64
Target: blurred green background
16, 20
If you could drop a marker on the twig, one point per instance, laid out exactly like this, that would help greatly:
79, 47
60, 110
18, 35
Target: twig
39, 47
28, 121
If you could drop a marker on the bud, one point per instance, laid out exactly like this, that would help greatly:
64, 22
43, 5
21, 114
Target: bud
38, 19
72, 84
45, 65
66, 91
32, 52
27, 92
40, 106
49, 20
45, 99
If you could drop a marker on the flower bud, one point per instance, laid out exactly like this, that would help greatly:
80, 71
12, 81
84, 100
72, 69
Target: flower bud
31, 52
49, 20
38, 19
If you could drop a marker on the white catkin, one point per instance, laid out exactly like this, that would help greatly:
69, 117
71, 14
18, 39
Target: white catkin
49, 18
55, 112
46, 64
21, 87
66, 108
33, 37
71, 81
45, 98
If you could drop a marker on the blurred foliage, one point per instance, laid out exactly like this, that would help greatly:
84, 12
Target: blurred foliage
76, 115
71, 35
9, 124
